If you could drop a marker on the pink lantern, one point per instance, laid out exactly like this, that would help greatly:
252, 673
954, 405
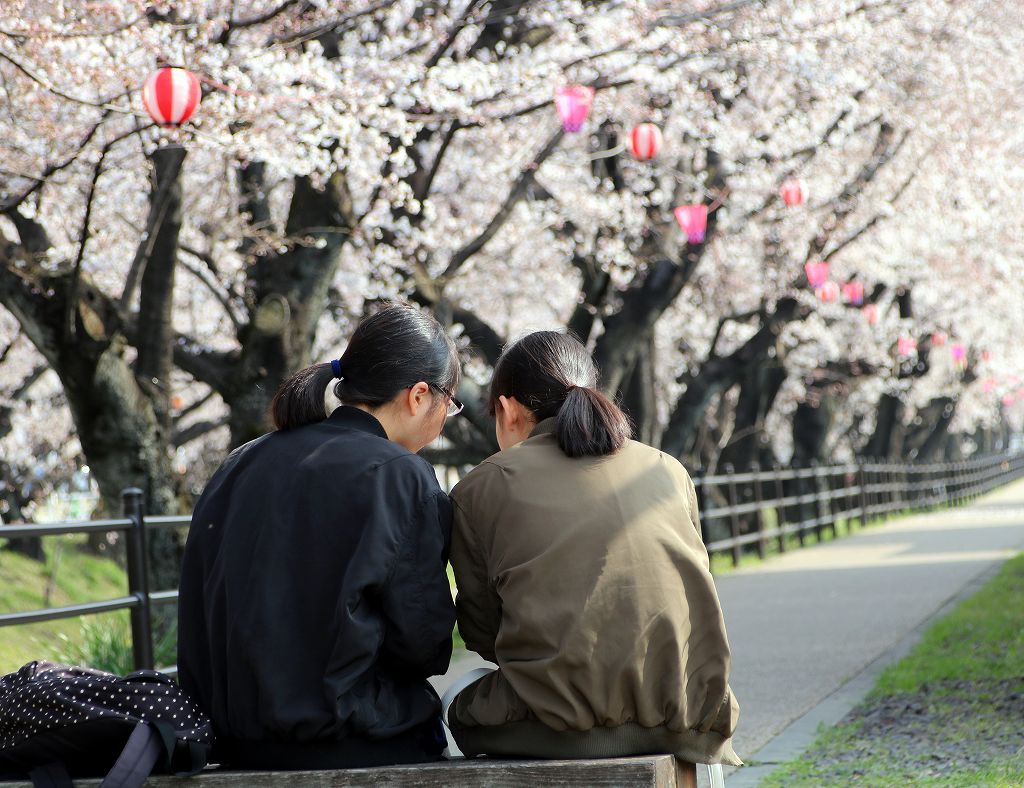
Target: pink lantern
871, 314
817, 273
959, 353
828, 292
939, 338
988, 385
1008, 399
986, 355
853, 293
693, 220
792, 191
906, 346
171, 95
573, 105
645, 141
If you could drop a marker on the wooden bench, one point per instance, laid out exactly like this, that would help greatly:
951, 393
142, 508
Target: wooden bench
649, 771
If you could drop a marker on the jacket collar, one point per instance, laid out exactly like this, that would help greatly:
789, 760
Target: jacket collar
544, 427
356, 419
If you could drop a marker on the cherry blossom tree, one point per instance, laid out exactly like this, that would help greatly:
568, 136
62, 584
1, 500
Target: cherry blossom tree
346, 152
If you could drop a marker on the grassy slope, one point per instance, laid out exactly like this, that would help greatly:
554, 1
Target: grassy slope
954, 693
78, 578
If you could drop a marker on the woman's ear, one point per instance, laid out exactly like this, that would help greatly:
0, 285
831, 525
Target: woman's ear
505, 414
416, 397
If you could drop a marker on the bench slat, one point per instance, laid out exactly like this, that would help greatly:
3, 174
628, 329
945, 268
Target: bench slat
652, 771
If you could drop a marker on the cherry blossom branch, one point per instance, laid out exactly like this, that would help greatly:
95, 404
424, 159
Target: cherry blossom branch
215, 288
517, 192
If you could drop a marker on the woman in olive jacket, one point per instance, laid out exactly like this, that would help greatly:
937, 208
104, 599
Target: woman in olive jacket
581, 572
314, 600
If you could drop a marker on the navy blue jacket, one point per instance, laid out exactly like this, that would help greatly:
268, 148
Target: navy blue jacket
314, 601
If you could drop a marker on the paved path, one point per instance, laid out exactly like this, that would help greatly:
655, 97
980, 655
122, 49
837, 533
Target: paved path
811, 629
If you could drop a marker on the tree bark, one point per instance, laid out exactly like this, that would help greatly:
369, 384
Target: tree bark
717, 374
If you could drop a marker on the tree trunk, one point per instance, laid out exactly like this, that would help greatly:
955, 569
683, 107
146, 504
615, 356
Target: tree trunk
638, 400
718, 374
758, 389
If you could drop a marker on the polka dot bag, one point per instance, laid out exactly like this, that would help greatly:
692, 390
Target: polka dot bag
59, 722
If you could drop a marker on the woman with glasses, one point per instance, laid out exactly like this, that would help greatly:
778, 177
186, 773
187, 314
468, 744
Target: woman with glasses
314, 601
581, 572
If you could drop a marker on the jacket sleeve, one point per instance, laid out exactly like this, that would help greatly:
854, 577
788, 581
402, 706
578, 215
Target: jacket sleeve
417, 599
478, 604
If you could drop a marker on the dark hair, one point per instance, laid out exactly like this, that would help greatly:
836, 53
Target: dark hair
552, 374
390, 350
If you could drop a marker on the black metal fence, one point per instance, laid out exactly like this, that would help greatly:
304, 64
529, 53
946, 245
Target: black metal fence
753, 510
739, 511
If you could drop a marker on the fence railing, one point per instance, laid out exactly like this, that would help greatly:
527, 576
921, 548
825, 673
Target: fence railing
737, 510
762, 506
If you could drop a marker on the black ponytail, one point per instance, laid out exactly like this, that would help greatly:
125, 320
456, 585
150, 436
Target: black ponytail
552, 374
394, 348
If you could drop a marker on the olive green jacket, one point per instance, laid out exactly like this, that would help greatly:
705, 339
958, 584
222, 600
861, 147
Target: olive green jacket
587, 582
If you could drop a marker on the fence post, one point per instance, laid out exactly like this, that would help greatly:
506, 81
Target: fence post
863, 492
780, 494
734, 518
138, 579
762, 547
821, 501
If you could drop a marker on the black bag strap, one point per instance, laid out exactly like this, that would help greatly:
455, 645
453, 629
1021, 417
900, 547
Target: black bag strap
53, 775
137, 759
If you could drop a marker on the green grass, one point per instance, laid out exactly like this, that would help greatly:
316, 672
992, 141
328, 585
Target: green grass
948, 714
73, 576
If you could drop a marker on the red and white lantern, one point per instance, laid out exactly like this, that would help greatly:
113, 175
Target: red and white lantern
828, 292
853, 293
792, 191
939, 338
871, 314
906, 346
573, 105
693, 220
645, 141
817, 273
171, 95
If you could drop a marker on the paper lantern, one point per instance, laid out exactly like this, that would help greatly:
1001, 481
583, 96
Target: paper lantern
986, 355
1008, 399
828, 292
959, 353
817, 273
853, 293
906, 346
988, 385
645, 141
871, 314
939, 338
573, 105
693, 220
792, 191
171, 95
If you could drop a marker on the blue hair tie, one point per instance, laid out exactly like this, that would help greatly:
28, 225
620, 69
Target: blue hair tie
336, 366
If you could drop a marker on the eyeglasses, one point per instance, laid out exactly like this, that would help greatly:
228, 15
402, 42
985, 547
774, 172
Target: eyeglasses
455, 405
